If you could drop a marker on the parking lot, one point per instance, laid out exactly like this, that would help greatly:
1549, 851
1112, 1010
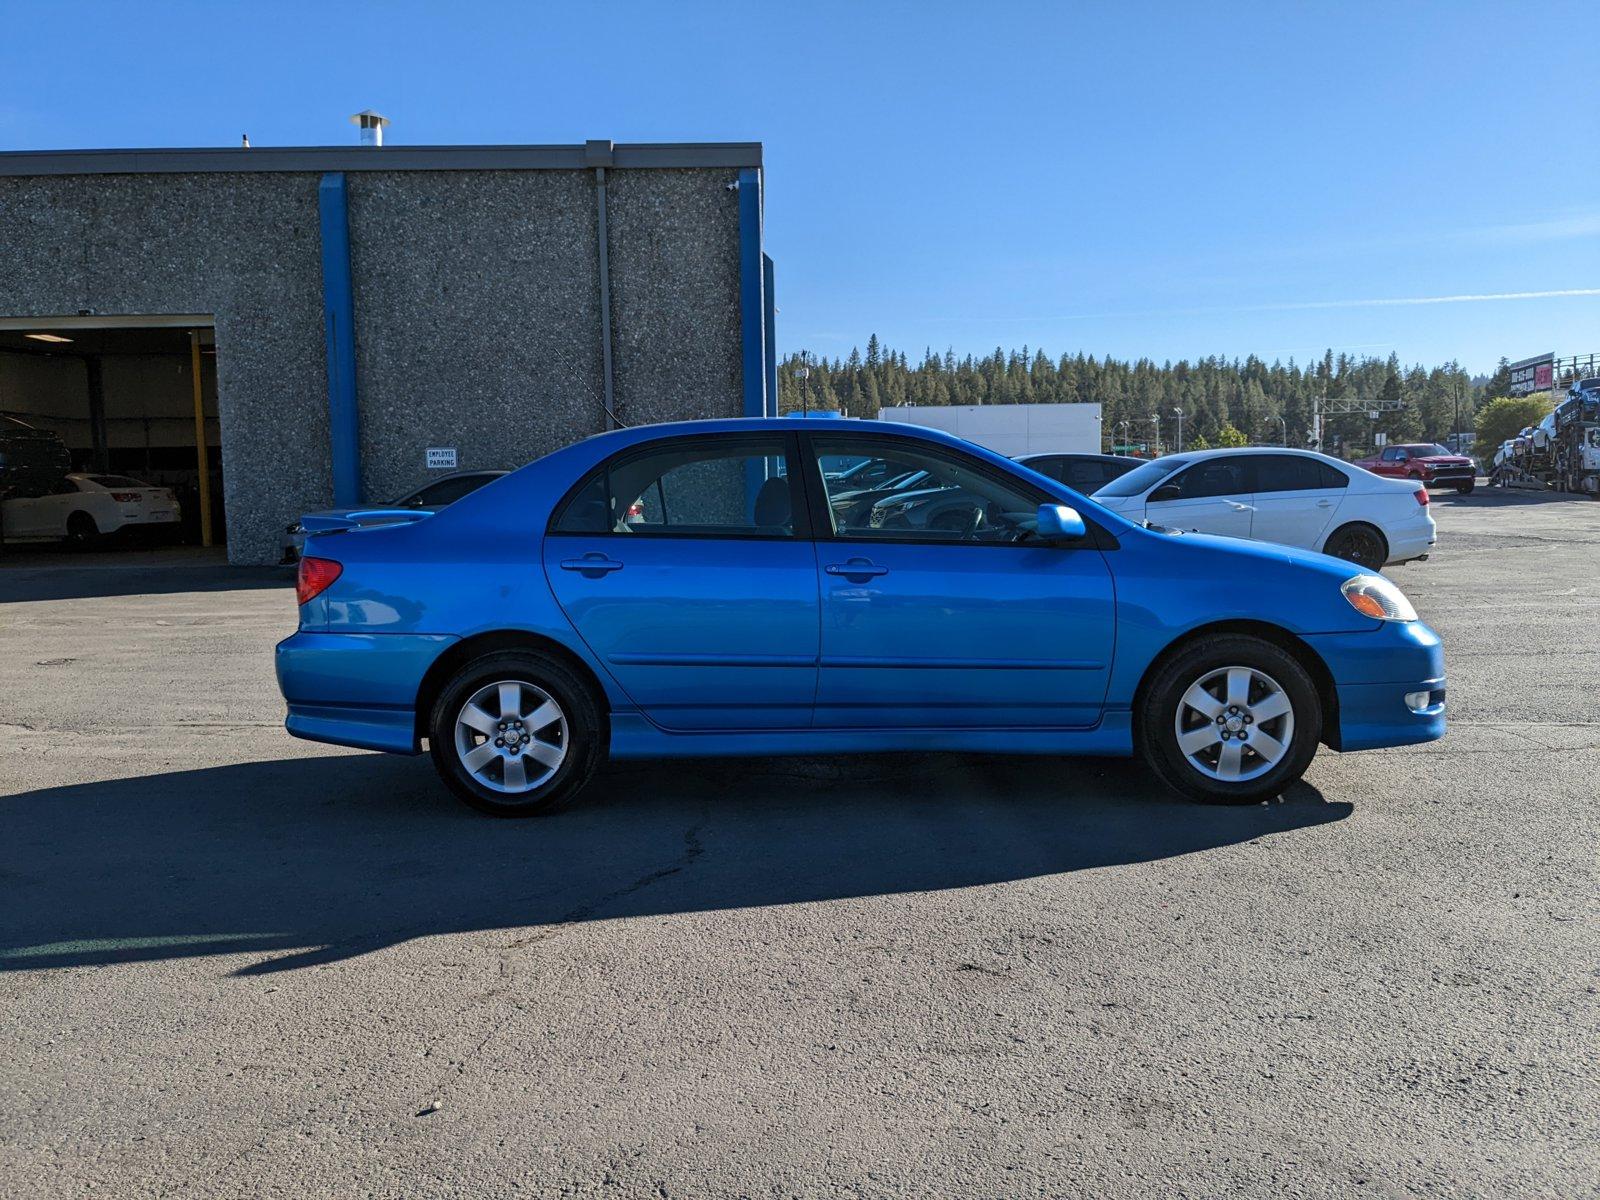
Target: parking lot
233, 964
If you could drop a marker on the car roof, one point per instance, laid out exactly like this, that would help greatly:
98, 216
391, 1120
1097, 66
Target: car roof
1224, 451
1078, 456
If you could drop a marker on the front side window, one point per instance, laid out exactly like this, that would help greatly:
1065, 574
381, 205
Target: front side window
954, 498
1394, 454
1216, 477
1139, 480
699, 488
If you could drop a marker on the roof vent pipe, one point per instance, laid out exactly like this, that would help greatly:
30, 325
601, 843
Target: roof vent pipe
371, 124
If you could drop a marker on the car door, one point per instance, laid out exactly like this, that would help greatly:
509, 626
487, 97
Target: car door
1392, 462
1212, 496
687, 568
969, 623
1296, 496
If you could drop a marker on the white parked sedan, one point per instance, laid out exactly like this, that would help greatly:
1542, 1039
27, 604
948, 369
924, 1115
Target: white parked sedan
1293, 497
80, 508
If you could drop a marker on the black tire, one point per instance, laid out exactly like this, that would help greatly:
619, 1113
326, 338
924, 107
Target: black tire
1465, 489
584, 738
82, 532
1358, 543
1157, 715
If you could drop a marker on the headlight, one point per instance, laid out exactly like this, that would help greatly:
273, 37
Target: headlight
1374, 596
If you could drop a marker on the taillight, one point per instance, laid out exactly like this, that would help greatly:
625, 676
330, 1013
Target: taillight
636, 512
314, 577
1422, 497
124, 497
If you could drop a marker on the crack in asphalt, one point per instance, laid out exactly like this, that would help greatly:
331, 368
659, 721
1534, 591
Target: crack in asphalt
693, 849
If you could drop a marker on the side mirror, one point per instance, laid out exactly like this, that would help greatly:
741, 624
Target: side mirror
1058, 522
1167, 491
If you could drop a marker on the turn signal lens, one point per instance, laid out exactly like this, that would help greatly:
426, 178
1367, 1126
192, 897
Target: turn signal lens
1374, 596
315, 576
1422, 497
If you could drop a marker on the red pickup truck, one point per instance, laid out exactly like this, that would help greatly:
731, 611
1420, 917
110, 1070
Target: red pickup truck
1429, 463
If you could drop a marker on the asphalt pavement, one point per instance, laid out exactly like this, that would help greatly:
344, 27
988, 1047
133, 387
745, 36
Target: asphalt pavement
234, 964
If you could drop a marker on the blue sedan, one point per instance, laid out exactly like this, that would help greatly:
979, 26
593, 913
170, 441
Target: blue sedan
689, 589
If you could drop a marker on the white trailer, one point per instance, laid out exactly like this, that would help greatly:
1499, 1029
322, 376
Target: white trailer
1010, 429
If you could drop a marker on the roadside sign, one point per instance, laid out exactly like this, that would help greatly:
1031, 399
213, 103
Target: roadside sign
441, 458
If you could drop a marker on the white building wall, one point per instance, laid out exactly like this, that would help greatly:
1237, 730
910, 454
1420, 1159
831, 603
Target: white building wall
1011, 429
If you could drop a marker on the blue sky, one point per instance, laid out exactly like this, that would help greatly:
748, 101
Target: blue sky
1170, 180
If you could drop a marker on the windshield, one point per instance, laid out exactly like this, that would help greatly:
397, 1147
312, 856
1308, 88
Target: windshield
1428, 451
1142, 478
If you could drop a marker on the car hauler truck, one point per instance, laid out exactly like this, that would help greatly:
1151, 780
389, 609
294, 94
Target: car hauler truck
1560, 452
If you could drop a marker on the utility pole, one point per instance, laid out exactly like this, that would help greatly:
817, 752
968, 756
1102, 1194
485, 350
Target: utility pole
1456, 424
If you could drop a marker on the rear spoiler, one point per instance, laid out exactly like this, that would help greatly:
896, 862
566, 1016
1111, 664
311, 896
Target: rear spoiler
314, 523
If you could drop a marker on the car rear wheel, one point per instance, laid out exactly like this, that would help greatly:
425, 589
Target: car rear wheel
82, 532
1231, 719
1359, 543
515, 734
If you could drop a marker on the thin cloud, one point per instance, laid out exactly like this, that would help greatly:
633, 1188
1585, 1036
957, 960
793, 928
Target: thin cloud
1401, 301
1282, 306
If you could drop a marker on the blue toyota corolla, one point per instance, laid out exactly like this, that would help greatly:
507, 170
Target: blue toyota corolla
717, 588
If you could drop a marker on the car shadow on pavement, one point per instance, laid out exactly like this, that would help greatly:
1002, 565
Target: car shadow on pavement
315, 859
21, 583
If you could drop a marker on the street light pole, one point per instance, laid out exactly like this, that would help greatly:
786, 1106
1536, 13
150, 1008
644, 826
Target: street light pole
803, 374
1155, 424
1178, 412
1285, 424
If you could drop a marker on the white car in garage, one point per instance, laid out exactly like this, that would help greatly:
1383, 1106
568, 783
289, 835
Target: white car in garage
81, 508
1293, 497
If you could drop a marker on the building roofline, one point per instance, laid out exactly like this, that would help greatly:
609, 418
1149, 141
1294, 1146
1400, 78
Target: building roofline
385, 158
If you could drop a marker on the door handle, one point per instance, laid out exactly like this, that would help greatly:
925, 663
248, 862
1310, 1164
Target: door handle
593, 565
856, 568
1324, 503
1237, 507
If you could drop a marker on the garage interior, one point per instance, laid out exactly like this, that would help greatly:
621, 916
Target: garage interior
124, 401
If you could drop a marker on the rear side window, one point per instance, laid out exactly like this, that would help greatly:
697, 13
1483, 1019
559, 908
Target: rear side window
447, 491
698, 488
1088, 476
1295, 473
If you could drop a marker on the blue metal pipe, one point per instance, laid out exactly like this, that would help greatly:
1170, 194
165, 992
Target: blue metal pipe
338, 303
752, 305
769, 328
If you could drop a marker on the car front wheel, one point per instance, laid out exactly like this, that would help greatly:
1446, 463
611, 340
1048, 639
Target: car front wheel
1231, 719
516, 734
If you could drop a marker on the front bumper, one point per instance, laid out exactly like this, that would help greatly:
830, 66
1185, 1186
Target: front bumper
1376, 677
356, 689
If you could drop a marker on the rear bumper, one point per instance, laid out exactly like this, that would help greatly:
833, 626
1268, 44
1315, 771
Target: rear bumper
356, 689
1412, 540
1374, 674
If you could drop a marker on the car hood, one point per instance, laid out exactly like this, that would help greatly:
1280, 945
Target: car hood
1445, 460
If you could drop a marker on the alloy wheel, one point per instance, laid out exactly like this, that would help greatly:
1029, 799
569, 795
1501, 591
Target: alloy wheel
1234, 724
511, 736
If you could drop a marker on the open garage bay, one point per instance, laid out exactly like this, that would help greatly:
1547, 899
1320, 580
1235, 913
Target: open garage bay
234, 964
